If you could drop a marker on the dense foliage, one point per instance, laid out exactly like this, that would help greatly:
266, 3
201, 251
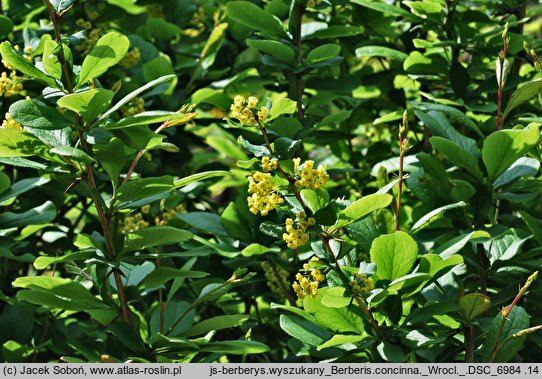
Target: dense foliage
270, 181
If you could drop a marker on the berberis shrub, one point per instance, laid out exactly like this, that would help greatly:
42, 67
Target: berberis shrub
270, 181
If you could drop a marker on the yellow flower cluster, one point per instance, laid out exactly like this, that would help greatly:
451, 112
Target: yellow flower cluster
93, 35
268, 164
10, 123
10, 85
131, 58
308, 176
307, 284
243, 110
296, 237
263, 198
273, 280
361, 284
133, 107
139, 220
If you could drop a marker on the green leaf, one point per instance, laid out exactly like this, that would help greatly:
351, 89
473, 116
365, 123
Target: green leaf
73, 153
131, 95
154, 236
385, 8
112, 158
506, 245
380, 51
339, 320
274, 48
109, 51
178, 183
473, 305
453, 114
150, 117
419, 64
502, 148
336, 31
61, 5
6, 26
88, 104
286, 148
304, 330
524, 166
41, 263
213, 45
522, 94
215, 323
50, 61
37, 115
315, 199
39, 215
255, 18
517, 320
280, 107
22, 186
18, 143
394, 255
137, 189
160, 67
437, 266
391, 352
16, 60
361, 208
5, 182
56, 293
162, 275
434, 215
341, 339
457, 155
254, 249
323, 52
205, 221
334, 298
237, 347
439, 126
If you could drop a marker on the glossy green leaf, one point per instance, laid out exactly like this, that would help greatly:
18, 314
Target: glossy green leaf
39, 215
434, 215
454, 115
315, 199
391, 352
304, 330
138, 91
474, 304
524, 166
457, 155
137, 189
112, 158
255, 18
380, 51
323, 52
254, 249
394, 255
16, 60
524, 93
6, 26
502, 148
37, 115
517, 320
274, 48
361, 208
215, 323
62, 5
56, 293
199, 177
73, 153
237, 347
341, 339
286, 148
280, 107
154, 236
88, 104
42, 262
109, 51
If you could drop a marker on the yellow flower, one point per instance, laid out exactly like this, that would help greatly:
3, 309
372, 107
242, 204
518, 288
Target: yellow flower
303, 286
263, 198
133, 107
308, 176
268, 165
263, 113
10, 85
10, 123
252, 102
296, 237
361, 284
